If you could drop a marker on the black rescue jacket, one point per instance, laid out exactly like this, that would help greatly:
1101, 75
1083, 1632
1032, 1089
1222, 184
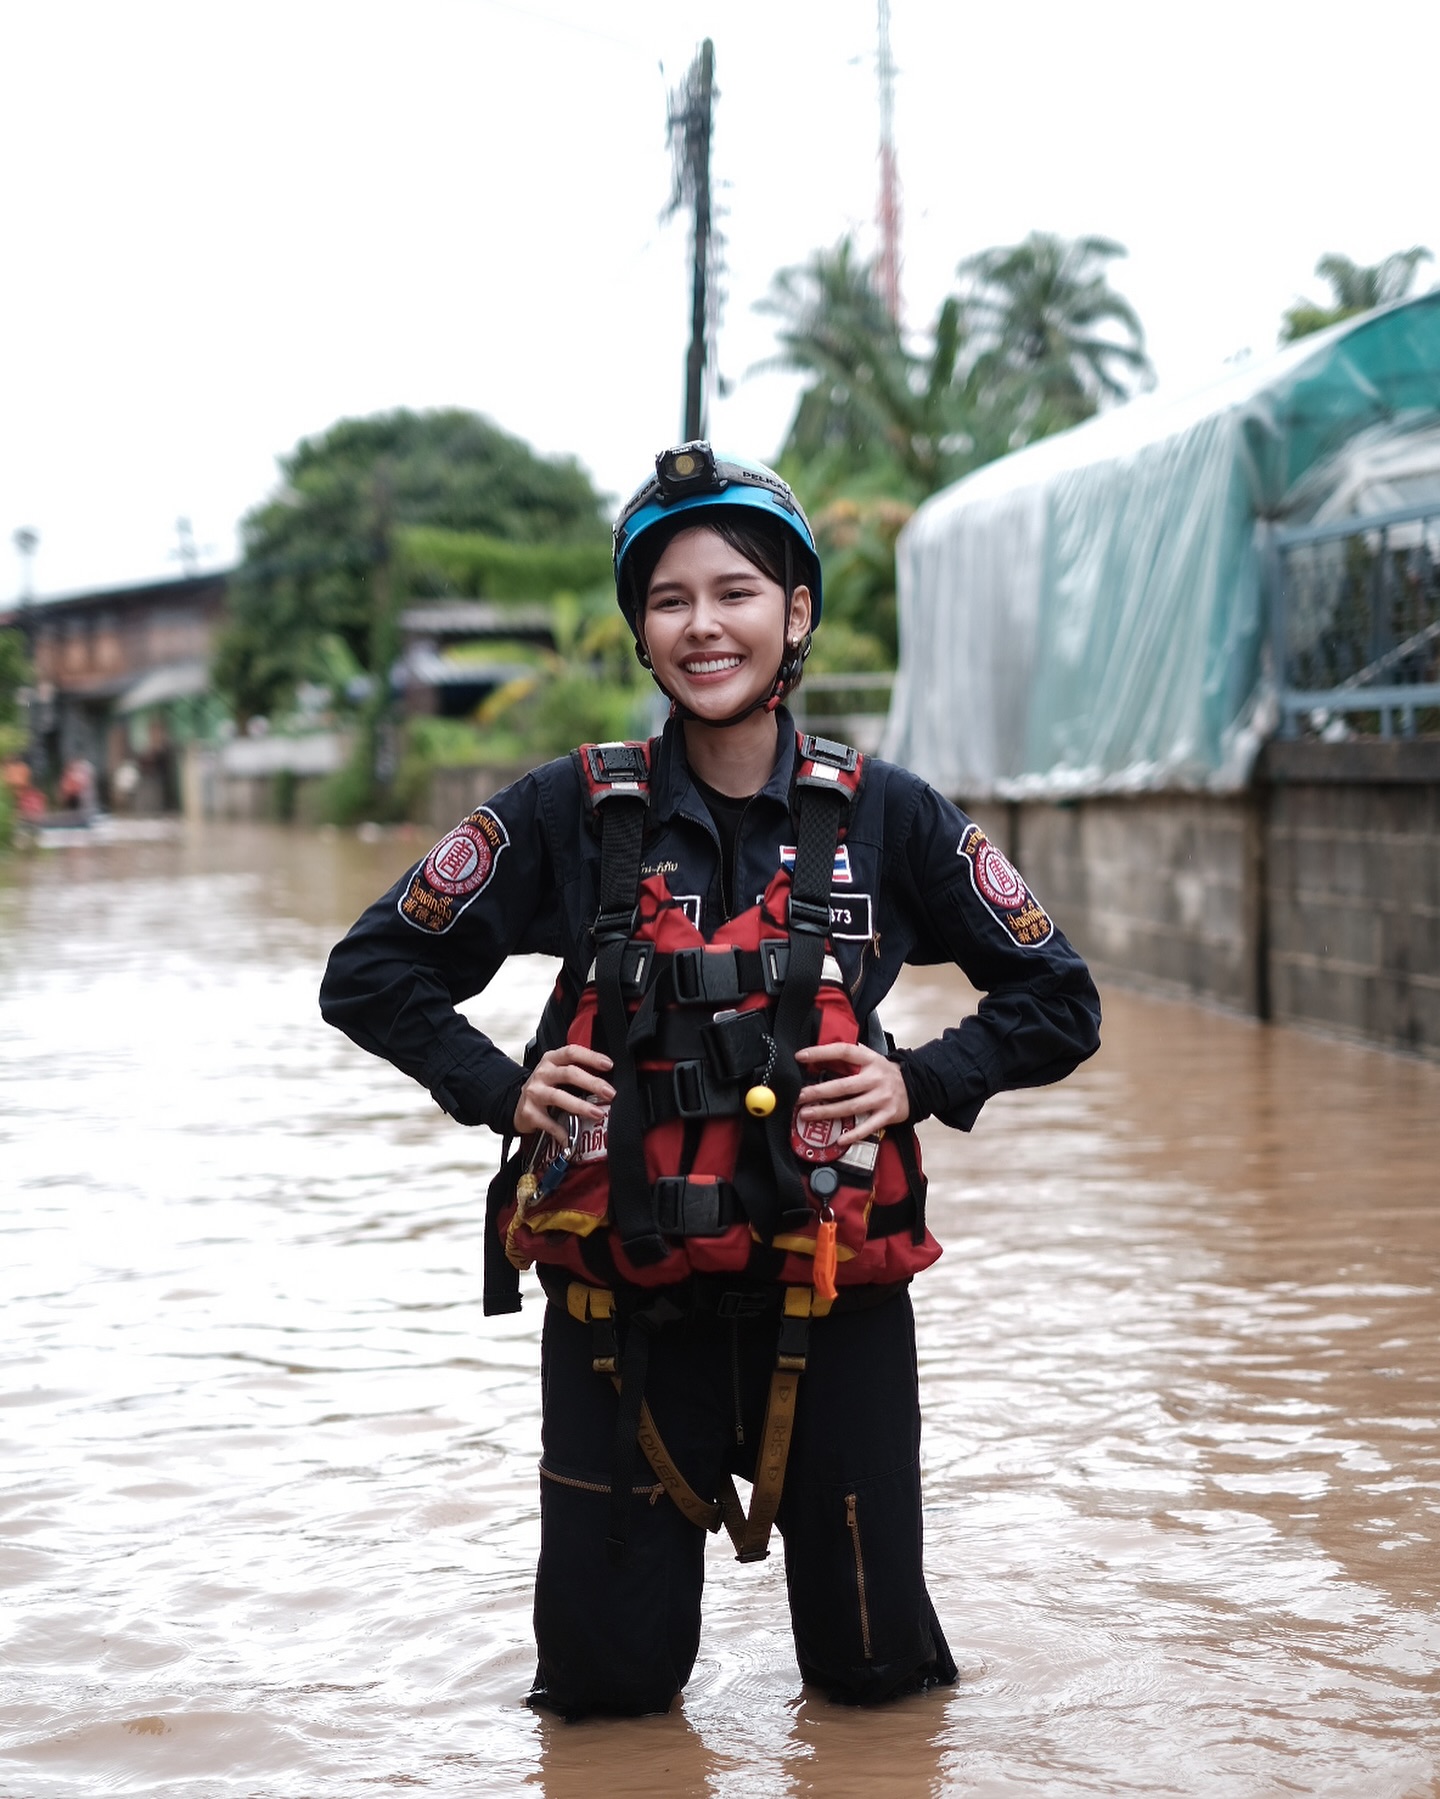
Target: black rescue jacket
915, 881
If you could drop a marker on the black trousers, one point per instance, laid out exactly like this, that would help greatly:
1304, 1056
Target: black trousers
622, 1636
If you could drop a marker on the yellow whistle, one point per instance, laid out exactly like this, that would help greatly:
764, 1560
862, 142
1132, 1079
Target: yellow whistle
759, 1102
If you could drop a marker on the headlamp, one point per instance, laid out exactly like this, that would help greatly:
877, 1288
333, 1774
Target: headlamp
687, 469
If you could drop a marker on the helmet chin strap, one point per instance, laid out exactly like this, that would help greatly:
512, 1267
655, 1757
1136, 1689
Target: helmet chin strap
792, 664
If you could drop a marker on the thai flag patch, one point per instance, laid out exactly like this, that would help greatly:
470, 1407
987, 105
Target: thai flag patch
841, 877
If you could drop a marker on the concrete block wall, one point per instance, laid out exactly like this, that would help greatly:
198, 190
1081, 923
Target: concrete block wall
1156, 890
1312, 899
1353, 888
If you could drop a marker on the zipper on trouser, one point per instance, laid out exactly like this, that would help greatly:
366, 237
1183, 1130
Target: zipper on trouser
652, 1492
854, 1526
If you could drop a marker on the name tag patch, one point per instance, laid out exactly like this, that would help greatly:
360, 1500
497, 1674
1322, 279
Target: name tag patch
457, 870
852, 916
1004, 895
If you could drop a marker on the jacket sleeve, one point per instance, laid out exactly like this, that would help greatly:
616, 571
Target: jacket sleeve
1039, 1016
486, 891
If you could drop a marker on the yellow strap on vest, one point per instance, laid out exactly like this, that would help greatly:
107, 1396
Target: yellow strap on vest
751, 1536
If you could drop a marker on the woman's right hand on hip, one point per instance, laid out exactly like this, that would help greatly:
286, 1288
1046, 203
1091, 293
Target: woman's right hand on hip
552, 1088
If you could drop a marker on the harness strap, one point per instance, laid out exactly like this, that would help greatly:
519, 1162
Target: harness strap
750, 1536
915, 1179
821, 811
774, 1451
622, 825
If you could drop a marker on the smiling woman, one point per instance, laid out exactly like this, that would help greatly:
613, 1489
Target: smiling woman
718, 1182
716, 626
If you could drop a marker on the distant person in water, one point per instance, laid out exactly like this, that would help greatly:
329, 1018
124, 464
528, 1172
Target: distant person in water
717, 1179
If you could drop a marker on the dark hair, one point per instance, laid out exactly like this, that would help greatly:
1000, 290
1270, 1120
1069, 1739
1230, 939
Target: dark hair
757, 540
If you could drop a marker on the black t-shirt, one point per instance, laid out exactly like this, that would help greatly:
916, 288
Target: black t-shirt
726, 811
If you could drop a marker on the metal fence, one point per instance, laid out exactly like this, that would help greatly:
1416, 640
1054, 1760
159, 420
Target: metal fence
1355, 622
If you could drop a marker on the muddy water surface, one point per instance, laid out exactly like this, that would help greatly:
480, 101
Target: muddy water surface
267, 1490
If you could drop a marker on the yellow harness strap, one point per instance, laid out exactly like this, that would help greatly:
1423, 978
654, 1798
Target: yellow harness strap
751, 1536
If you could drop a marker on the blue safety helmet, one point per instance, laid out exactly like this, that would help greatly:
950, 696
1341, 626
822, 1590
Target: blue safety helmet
692, 480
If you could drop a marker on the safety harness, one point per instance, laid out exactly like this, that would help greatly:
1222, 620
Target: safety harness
687, 1024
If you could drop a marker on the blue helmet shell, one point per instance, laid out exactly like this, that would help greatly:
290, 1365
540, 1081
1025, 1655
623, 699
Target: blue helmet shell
738, 484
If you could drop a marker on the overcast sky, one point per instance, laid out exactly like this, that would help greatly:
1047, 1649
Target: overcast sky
228, 225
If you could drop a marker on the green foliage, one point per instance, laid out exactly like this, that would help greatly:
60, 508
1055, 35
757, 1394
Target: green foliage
327, 557
433, 562
857, 536
587, 689
1034, 340
1051, 339
15, 673
875, 412
1355, 288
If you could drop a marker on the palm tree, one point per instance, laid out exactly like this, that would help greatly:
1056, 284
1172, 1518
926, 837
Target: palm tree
1355, 287
876, 411
1053, 337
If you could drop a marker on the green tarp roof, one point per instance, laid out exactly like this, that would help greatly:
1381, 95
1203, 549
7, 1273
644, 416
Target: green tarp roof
1087, 615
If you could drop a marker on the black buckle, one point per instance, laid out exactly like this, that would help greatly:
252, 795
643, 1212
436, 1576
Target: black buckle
603, 1358
735, 1043
826, 750
794, 1343
774, 963
813, 920
635, 964
703, 975
610, 925
611, 762
691, 1099
687, 1208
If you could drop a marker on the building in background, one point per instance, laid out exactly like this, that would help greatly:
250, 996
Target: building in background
122, 683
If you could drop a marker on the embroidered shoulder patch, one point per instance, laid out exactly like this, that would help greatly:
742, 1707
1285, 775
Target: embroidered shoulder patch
1004, 895
456, 870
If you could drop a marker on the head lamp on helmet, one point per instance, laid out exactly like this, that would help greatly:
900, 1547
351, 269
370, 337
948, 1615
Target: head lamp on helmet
692, 486
690, 483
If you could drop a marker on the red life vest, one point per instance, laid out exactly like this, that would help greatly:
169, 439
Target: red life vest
705, 1023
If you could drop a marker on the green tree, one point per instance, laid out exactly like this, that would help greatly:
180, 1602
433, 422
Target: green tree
1052, 339
15, 673
326, 556
1035, 340
876, 412
1355, 288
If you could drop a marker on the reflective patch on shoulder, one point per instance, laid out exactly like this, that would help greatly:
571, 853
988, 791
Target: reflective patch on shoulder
456, 871
1000, 890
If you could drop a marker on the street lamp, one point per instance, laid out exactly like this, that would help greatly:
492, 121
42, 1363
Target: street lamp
27, 541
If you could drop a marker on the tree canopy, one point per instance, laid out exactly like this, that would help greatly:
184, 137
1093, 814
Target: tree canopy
373, 499
1355, 288
1034, 339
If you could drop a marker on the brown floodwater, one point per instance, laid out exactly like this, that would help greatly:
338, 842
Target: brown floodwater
268, 1507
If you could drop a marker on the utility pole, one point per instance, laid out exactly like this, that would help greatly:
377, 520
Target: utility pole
889, 219
691, 120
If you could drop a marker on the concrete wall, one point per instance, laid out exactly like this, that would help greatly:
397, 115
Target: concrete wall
1353, 853
1313, 899
456, 791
